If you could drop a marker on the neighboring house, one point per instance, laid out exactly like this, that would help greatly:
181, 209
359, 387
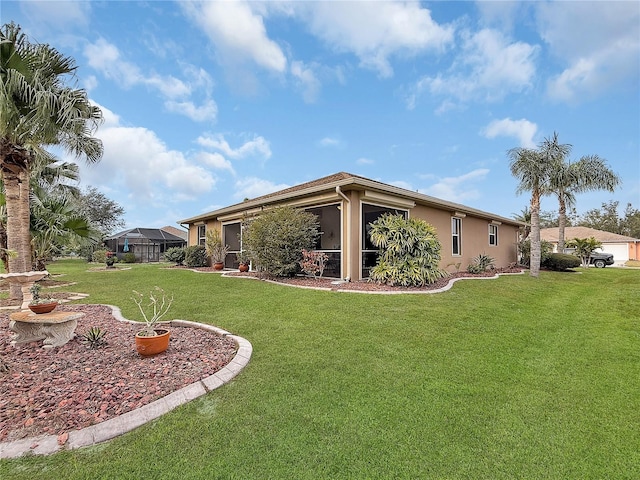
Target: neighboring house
147, 244
346, 204
622, 247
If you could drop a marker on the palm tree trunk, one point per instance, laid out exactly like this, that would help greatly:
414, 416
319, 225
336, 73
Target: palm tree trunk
534, 267
17, 195
562, 222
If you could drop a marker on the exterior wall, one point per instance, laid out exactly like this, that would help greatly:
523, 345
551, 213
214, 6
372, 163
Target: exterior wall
474, 239
474, 231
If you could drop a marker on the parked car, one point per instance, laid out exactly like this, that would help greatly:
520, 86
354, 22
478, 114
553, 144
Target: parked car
601, 260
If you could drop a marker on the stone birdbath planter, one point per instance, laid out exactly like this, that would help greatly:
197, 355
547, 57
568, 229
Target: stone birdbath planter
26, 281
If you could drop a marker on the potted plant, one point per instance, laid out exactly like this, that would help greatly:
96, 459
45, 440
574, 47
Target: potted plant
243, 261
110, 259
216, 249
40, 304
151, 339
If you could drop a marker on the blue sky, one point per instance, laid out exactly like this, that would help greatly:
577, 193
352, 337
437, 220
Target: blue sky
208, 103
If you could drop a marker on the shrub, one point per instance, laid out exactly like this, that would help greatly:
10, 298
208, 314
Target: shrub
275, 239
524, 248
480, 264
561, 261
409, 251
175, 254
129, 257
195, 256
216, 249
313, 263
99, 256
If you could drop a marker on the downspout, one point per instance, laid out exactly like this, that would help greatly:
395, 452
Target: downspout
346, 249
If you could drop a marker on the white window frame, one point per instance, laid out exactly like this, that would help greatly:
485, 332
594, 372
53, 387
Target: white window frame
493, 235
456, 232
202, 234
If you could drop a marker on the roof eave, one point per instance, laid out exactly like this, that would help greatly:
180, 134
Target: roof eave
355, 181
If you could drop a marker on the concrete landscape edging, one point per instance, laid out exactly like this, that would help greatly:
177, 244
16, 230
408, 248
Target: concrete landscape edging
114, 427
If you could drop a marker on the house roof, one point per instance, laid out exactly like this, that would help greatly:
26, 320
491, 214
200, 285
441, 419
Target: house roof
551, 235
178, 232
155, 234
347, 181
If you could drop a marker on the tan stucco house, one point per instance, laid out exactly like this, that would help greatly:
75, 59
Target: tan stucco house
622, 247
346, 204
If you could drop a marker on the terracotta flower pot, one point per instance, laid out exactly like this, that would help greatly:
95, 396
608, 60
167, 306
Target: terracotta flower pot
243, 267
218, 265
147, 346
43, 307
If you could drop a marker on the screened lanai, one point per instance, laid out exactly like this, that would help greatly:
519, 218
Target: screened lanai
147, 244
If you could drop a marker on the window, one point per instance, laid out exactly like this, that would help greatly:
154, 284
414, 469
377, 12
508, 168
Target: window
202, 234
232, 238
493, 235
370, 213
456, 236
330, 239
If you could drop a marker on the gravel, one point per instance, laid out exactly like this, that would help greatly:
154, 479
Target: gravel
73, 386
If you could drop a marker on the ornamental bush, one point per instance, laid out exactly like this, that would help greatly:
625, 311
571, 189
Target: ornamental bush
481, 263
129, 257
524, 248
409, 251
175, 254
195, 256
99, 256
275, 239
561, 261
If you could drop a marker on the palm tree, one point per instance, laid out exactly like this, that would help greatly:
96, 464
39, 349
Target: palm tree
54, 223
588, 173
38, 110
584, 247
46, 179
534, 169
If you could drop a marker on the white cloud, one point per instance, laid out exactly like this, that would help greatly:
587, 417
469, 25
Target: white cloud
106, 58
522, 129
402, 184
136, 161
329, 142
252, 187
364, 161
488, 68
238, 33
376, 31
208, 111
59, 14
608, 55
306, 80
457, 189
90, 82
257, 146
215, 160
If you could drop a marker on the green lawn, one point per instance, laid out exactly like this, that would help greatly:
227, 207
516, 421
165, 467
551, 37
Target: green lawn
510, 378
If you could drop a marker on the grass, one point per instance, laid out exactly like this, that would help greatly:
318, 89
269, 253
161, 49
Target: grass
510, 378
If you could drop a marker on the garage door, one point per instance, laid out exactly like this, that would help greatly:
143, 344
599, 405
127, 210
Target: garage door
620, 251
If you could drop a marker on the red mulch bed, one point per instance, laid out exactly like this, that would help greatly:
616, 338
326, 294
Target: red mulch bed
72, 387
364, 285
